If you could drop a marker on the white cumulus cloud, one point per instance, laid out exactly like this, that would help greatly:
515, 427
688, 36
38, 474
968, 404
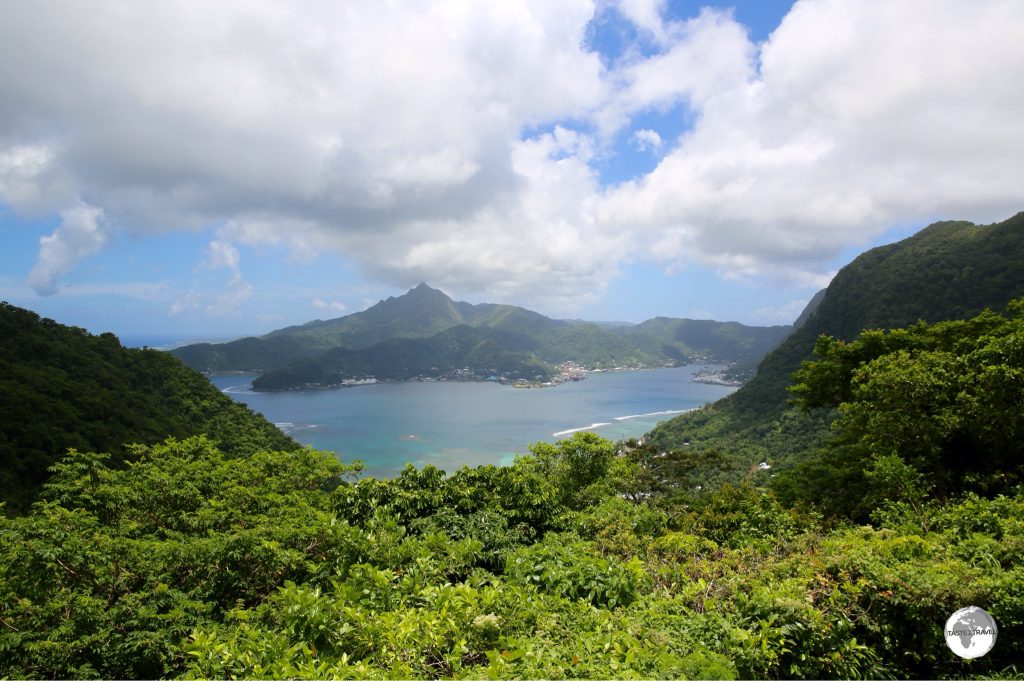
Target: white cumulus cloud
222, 254
457, 142
645, 14
862, 114
79, 235
647, 140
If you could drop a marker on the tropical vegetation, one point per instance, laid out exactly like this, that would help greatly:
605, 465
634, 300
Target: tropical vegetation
190, 563
61, 388
829, 535
947, 271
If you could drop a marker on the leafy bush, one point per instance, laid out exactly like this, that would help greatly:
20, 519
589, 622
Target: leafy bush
191, 563
572, 571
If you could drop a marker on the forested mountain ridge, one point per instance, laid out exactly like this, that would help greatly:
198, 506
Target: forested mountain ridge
949, 270
421, 312
61, 387
403, 335
459, 348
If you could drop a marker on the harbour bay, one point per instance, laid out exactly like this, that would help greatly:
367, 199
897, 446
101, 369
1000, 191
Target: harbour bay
451, 424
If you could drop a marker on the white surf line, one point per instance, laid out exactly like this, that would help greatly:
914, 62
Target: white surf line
654, 413
577, 430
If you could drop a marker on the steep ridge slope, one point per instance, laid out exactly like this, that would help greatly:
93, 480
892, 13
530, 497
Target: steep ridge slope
949, 270
61, 387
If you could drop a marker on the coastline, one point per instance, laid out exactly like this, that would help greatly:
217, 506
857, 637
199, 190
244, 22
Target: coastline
568, 372
717, 378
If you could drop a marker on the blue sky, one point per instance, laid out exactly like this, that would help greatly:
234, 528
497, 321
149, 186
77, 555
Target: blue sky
173, 171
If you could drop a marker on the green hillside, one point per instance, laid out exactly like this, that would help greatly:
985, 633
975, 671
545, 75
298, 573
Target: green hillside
699, 336
61, 387
927, 410
421, 312
521, 344
414, 335
949, 270
737, 344
460, 348
247, 354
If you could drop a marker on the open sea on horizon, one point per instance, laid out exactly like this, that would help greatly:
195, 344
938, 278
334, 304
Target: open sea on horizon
451, 424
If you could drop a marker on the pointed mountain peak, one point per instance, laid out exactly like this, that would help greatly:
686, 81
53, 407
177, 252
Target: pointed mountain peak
423, 289
428, 306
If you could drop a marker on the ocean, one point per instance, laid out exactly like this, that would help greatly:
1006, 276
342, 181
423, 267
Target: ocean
452, 424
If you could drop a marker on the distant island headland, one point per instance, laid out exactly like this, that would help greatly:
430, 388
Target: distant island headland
425, 335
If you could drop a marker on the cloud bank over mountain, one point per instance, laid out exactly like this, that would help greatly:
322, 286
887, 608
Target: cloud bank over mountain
460, 143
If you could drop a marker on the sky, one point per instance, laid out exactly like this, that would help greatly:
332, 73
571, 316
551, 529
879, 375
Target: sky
220, 169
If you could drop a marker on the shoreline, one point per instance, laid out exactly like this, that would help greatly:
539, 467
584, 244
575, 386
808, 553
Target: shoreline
718, 380
575, 373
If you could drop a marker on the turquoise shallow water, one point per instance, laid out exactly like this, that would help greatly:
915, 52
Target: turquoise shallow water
454, 424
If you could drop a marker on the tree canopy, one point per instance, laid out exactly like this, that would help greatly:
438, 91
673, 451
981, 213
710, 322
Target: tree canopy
187, 562
932, 409
61, 387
